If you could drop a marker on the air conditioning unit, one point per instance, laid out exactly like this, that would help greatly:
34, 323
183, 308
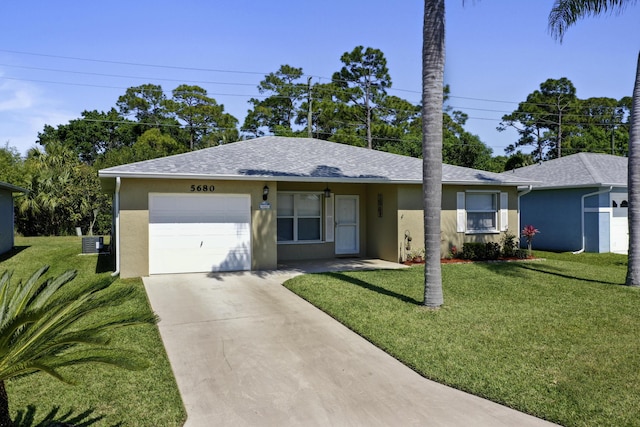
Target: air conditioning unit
92, 245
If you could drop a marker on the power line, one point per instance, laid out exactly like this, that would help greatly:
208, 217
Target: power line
264, 95
173, 67
298, 85
135, 64
324, 87
482, 99
114, 87
87, 73
418, 113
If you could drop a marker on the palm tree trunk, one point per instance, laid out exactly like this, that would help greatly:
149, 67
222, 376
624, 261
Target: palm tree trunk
633, 269
367, 107
432, 101
5, 418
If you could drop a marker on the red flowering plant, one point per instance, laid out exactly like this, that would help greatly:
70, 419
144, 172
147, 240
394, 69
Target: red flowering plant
453, 253
529, 233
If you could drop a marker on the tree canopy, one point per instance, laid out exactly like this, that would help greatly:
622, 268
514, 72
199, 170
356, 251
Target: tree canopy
555, 122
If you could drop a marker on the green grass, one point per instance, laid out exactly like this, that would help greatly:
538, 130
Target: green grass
559, 339
103, 395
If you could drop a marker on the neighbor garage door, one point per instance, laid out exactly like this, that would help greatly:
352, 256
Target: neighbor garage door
619, 223
191, 233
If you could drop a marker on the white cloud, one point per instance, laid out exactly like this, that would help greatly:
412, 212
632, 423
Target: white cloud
20, 128
16, 95
23, 113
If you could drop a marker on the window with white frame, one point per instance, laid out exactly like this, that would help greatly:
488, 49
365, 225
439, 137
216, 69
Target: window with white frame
482, 211
299, 217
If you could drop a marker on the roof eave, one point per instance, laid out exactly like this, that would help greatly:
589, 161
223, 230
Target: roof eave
566, 187
356, 180
154, 175
489, 183
13, 188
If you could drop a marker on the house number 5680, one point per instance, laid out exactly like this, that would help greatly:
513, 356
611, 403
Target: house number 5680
202, 188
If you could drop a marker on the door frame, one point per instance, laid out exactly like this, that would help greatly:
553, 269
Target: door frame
339, 199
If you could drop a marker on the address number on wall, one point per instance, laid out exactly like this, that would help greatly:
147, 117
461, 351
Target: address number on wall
202, 188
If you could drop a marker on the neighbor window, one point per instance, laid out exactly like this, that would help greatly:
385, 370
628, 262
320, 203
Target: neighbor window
299, 217
482, 211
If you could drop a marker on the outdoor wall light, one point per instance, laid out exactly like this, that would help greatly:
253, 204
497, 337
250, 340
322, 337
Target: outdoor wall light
327, 193
265, 193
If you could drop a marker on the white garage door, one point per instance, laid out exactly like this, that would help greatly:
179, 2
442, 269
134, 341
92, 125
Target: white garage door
191, 233
619, 223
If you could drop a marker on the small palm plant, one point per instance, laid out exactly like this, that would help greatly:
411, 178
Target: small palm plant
529, 232
45, 326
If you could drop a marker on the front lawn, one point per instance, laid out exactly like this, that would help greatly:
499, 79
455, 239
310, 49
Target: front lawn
103, 395
559, 339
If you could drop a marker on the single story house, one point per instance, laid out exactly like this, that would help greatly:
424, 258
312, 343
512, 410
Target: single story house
579, 203
253, 204
6, 215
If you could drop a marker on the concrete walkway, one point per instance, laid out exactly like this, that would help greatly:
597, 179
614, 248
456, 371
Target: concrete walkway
247, 352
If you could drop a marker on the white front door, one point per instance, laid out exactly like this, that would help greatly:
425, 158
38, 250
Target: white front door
347, 236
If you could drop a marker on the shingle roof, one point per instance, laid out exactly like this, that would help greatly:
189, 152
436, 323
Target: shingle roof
299, 159
576, 170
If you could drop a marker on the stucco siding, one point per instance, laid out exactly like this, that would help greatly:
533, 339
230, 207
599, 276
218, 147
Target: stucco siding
597, 230
134, 243
450, 235
382, 230
557, 214
411, 220
6, 221
134, 219
410, 235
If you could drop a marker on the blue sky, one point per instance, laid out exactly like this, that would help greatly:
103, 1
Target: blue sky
498, 51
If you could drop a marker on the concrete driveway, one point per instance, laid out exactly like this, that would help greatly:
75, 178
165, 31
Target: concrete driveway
247, 352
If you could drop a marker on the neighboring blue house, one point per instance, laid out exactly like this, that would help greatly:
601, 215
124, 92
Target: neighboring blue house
6, 215
579, 204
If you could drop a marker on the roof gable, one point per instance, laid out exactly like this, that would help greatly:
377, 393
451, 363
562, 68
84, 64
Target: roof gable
577, 170
298, 159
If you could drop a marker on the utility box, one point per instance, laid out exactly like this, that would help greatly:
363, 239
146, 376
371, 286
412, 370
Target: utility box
92, 245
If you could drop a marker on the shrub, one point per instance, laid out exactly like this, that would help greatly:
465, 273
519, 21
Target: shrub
474, 251
509, 245
492, 250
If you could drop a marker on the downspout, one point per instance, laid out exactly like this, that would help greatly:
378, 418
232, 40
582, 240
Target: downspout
520, 194
582, 215
116, 231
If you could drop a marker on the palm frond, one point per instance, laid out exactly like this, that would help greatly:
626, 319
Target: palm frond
18, 297
46, 325
565, 13
5, 281
133, 361
13, 325
24, 369
44, 294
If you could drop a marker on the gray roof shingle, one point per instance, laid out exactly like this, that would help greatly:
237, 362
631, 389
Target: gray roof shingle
576, 170
299, 159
